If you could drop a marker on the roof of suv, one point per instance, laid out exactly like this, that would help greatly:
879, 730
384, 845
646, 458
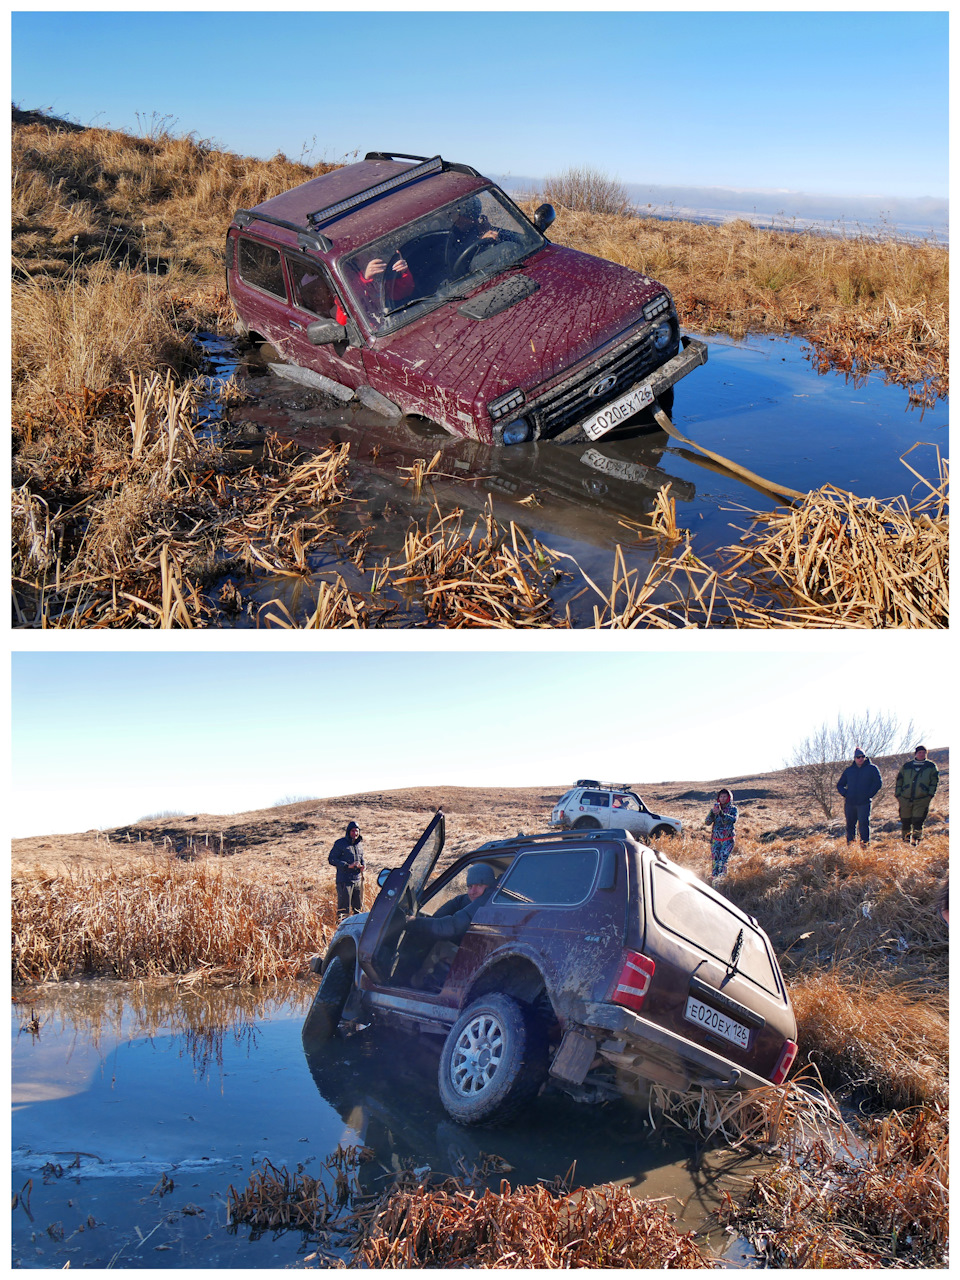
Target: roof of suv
364, 222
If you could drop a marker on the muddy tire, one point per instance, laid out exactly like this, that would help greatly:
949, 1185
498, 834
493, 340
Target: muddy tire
493, 1062
586, 824
320, 1024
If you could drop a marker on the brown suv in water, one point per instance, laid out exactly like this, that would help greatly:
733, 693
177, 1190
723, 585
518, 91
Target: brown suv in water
592, 960
420, 287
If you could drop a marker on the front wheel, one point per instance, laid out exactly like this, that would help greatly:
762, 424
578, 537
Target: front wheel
493, 1062
321, 1022
659, 832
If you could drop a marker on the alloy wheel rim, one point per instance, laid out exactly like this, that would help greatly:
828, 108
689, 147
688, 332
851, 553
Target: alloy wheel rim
477, 1055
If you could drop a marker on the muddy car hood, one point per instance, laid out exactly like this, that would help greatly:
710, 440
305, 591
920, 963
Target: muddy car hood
580, 304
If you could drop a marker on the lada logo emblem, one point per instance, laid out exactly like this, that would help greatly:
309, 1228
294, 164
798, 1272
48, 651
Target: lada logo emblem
603, 385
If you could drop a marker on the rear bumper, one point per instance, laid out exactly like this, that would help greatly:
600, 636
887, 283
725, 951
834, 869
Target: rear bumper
647, 1050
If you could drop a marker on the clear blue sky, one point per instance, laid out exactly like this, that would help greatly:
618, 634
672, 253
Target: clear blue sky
850, 103
100, 739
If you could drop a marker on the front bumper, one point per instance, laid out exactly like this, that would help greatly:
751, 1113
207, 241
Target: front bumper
645, 1049
691, 355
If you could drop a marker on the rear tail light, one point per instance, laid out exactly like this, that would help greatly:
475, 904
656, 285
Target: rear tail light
633, 981
784, 1062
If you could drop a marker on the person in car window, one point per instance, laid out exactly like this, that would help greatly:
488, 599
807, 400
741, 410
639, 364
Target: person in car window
472, 229
440, 934
384, 281
723, 818
347, 857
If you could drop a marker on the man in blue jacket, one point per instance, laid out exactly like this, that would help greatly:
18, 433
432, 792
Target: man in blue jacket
858, 784
347, 856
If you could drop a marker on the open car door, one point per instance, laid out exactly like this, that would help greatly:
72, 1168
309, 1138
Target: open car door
377, 947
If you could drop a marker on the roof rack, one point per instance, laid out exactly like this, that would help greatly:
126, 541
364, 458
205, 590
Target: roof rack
603, 786
305, 239
427, 167
567, 837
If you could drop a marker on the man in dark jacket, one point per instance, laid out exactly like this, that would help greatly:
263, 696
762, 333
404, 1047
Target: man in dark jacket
347, 856
916, 786
858, 784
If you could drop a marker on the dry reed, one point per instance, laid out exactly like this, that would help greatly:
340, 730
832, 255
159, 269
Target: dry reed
522, 1227
161, 917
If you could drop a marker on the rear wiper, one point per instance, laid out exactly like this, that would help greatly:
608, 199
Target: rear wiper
735, 955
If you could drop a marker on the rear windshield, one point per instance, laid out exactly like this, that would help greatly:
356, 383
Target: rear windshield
682, 907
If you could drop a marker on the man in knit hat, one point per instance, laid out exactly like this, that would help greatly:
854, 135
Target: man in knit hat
441, 933
858, 784
347, 856
916, 786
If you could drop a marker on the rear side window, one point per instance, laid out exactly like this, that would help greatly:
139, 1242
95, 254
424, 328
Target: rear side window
680, 906
596, 799
260, 266
550, 879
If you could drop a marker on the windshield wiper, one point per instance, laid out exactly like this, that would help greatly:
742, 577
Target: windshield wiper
408, 302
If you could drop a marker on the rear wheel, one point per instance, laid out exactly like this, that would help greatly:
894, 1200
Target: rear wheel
323, 1019
493, 1062
584, 824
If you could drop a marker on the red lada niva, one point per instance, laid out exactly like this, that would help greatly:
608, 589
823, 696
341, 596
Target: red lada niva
418, 286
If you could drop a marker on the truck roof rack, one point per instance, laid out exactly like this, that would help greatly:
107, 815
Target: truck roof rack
603, 786
306, 239
426, 169
565, 837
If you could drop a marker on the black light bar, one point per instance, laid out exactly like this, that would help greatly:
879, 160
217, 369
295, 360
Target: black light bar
425, 170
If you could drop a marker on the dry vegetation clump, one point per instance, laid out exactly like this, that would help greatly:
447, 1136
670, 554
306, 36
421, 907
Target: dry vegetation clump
487, 577
882, 1202
161, 917
276, 1200
864, 302
451, 1225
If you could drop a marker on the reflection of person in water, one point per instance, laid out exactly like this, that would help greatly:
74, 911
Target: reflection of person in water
431, 942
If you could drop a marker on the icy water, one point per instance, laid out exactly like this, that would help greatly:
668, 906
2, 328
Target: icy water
759, 402
135, 1108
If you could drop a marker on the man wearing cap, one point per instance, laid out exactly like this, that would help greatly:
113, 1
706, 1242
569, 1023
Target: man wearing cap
445, 927
347, 856
917, 783
858, 784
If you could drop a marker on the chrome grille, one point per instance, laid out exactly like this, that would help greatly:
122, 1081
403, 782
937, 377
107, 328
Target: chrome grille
567, 403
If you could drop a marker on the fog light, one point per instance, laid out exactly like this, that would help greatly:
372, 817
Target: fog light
516, 432
663, 335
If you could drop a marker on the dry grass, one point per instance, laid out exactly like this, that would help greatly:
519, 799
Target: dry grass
864, 302
882, 1204
454, 1226
276, 1200
487, 577
158, 917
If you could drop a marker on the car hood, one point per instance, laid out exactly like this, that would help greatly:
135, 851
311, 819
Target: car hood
581, 303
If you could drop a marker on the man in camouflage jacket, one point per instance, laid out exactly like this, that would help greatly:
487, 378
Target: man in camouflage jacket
916, 786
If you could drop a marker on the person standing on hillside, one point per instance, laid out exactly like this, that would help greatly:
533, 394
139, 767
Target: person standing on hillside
858, 784
917, 784
347, 856
723, 818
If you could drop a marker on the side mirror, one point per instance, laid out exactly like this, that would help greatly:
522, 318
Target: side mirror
382, 877
321, 332
544, 217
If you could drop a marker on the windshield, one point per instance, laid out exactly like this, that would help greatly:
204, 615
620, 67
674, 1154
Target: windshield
441, 256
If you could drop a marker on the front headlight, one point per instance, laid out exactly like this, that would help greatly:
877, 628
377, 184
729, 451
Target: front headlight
515, 432
663, 335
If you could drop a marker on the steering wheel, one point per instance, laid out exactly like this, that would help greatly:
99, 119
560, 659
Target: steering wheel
384, 279
464, 258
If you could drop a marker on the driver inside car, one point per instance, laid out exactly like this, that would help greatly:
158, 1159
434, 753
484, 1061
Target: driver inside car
471, 229
431, 942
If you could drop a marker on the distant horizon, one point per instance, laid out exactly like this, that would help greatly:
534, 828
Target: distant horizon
705, 98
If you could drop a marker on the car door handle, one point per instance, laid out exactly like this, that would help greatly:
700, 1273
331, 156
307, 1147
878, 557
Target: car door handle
293, 325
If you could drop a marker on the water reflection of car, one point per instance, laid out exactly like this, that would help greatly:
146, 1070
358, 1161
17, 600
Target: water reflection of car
497, 334
591, 805
594, 960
